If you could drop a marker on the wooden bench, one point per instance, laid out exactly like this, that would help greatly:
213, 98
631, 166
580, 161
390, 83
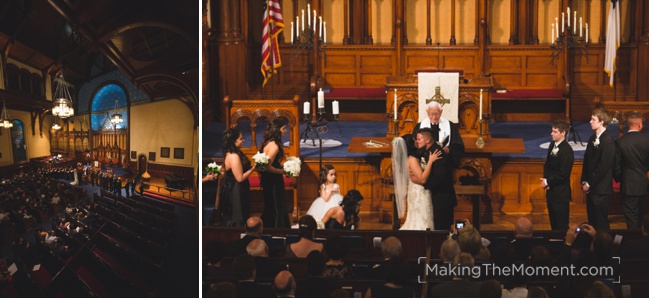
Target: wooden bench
527, 95
238, 110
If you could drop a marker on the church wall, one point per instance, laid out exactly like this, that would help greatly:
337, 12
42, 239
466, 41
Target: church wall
37, 145
165, 123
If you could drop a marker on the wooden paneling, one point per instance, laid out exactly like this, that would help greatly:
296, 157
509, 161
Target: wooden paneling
365, 67
506, 63
341, 79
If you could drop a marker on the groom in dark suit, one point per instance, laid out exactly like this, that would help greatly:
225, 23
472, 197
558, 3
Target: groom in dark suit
440, 181
631, 166
556, 176
597, 173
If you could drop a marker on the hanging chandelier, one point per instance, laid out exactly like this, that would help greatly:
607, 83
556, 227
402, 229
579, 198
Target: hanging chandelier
56, 125
116, 118
62, 99
4, 117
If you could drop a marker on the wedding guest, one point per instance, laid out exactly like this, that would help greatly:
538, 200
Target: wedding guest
235, 188
345, 216
275, 213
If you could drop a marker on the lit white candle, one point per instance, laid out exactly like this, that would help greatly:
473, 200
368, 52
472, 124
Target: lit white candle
325, 33
297, 25
395, 103
552, 29
320, 27
321, 99
314, 23
587, 37
303, 28
307, 108
291, 32
569, 17
574, 22
335, 109
308, 19
563, 19
480, 112
556, 25
580, 28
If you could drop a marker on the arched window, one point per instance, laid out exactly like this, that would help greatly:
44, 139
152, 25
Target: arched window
13, 82
18, 145
36, 85
25, 81
103, 106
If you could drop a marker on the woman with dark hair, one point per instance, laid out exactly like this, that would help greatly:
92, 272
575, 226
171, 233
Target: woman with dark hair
305, 245
235, 188
346, 215
272, 180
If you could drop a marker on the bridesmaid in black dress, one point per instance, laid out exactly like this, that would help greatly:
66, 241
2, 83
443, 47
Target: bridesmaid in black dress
235, 188
344, 216
272, 181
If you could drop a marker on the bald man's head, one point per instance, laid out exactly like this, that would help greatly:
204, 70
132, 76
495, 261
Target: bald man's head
257, 248
284, 283
391, 247
254, 226
523, 228
634, 120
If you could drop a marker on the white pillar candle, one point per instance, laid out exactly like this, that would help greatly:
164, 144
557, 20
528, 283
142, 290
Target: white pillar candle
580, 28
320, 27
308, 19
297, 25
563, 19
291, 32
395, 103
569, 17
325, 33
335, 109
314, 23
321, 99
556, 26
480, 112
552, 29
574, 22
587, 37
307, 108
303, 28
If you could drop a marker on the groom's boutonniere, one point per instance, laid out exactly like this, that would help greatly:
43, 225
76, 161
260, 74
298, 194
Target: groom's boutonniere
423, 160
596, 142
555, 151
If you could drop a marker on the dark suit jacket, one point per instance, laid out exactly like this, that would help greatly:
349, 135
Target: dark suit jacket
598, 165
314, 287
632, 163
440, 180
238, 246
246, 289
456, 147
636, 248
557, 171
267, 268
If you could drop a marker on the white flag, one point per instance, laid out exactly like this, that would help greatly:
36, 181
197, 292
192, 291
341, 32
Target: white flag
612, 40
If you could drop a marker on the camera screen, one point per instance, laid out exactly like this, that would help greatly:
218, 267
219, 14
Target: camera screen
459, 225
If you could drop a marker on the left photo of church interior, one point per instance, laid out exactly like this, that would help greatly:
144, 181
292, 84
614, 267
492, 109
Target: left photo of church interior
98, 148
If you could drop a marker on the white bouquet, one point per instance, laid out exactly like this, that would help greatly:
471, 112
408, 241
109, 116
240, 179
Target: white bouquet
292, 166
213, 168
260, 159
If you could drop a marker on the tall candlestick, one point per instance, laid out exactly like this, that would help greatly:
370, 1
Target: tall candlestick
552, 29
569, 17
291, 32
395, 103
574, 22
563, 19
307, 108
325, 33
308, 9
587, 37
580, 28
297, 25
556, 25
320, 27
303, 28
480, 112
321, 99
314, 23
335, 108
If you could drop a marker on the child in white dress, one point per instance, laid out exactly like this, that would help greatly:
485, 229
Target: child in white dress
329, 193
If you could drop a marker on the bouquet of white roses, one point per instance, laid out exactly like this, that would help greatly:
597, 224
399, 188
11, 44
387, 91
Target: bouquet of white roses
213, 168
292, 166
260, 159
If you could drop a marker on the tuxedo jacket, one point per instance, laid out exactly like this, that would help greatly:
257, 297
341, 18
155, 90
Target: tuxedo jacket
557, 170
456, 146
440, 181
632, 163
598, 164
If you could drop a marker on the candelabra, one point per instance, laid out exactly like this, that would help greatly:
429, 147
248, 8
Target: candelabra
480, 142
314, 129
308, 38
568, 37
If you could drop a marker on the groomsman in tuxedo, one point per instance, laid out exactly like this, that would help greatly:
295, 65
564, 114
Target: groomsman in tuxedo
443, 128
597, 173
556, 176
440, 181
631, 166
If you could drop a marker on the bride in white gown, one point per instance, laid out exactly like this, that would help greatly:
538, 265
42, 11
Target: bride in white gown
410, 173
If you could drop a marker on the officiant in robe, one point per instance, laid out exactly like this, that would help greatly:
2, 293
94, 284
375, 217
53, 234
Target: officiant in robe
443, 128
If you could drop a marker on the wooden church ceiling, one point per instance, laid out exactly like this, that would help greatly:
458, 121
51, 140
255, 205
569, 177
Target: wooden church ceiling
155, 43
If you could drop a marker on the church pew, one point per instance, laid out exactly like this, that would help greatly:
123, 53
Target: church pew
150, 232
132, 264
67, 284
142, 215
153, 202
149, 208
134, 242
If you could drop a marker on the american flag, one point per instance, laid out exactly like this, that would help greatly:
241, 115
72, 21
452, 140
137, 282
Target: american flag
273, 25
